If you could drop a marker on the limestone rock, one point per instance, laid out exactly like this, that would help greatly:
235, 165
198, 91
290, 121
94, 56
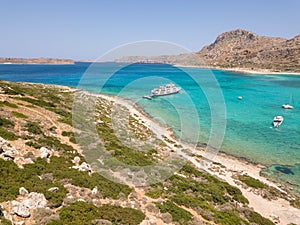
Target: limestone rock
83, 167
76, 160
53, 189
45, 153
95, 191
23, 191
150, 207
28, 161
32, 201
10, 152
20, 209
166, 217
101, 222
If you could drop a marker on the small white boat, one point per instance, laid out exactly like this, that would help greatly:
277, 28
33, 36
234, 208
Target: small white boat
147, 97
287, 106
277, 121
240, 98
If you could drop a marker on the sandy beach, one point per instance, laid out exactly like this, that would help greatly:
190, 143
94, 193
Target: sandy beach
241, 70
225, 167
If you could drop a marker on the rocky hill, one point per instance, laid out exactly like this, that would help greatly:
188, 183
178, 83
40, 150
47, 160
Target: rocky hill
244, 49
237, 49
35, 61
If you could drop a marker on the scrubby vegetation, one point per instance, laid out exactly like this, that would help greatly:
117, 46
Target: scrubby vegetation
6, 124
34, 128
251, 182
69, 134
215, 200
28, 178
8, 104
112, 143
7, 134
59, 167
19, 115
178, 214
83, 213
205, 194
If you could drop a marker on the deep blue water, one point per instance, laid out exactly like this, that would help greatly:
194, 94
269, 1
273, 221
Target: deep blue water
248, 132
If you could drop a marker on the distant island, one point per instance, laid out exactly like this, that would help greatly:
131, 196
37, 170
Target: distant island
239, 50
35, 61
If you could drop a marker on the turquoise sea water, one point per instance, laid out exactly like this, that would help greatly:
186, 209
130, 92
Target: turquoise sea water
248, 132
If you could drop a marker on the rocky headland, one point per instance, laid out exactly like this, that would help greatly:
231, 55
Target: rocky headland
237, 49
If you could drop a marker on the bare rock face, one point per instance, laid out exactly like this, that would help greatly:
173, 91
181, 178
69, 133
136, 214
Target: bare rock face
20, 209
31, 201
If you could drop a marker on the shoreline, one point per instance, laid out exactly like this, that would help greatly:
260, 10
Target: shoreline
225, 166
255, 71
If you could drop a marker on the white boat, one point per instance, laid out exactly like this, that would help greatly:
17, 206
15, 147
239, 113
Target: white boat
277, 121
288, 106
147, 97
240, 97
168, 89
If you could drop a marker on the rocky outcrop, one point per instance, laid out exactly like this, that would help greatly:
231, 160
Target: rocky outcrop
28, 202
83, 167
244, 49
45, 153
7, 151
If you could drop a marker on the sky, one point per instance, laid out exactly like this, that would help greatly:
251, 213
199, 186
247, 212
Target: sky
87, 29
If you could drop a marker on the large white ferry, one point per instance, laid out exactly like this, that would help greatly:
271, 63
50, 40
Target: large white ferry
163, 90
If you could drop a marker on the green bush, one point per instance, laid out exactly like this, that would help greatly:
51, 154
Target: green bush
251, 182
65, 120
178, 214
6, 122
19, 115
37, 102
4, 221
6, 103
71, 136
154, 193
228, 218
68, 134
8, 135
257, 218
84, 213
34, 128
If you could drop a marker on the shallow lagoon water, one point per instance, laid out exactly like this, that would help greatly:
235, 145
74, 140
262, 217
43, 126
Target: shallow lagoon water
249, 133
